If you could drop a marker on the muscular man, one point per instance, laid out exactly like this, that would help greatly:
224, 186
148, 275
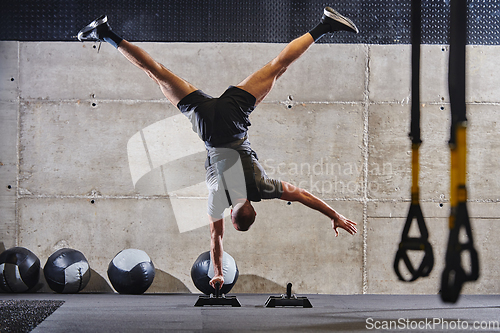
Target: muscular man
222, 123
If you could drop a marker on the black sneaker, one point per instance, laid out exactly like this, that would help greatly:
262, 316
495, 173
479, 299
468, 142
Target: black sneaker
337, 22
94, 30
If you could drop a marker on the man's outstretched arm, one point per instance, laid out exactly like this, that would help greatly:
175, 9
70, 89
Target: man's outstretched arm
293, 193
216, 249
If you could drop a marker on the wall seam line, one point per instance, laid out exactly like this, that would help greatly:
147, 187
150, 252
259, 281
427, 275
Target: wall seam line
18, 146
365, 168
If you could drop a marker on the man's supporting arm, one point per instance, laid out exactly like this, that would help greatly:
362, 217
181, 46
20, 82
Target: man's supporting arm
216, 249
293, 193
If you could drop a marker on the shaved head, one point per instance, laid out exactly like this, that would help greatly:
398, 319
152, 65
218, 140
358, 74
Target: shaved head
243, 215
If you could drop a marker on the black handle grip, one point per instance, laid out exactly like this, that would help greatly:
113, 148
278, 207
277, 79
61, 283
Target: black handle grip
454, 275
425, 267
217, 289
414, 244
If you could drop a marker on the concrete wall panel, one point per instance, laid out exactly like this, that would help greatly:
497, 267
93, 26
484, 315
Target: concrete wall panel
484, 221
290, 243
318, 147
337, 70
388, 124
384, 228
8, 199
9, 104
84, 73
483, 138
433, 73
81, 74
390, 152
9, 71
383, 237
104, 228
390, 73
385, 225
482, 74
72, 146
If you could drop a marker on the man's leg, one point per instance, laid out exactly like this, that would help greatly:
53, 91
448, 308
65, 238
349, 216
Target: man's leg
172, 86
260, 83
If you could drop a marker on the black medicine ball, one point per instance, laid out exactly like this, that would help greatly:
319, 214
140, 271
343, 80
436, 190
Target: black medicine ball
67, 271
203, 271
19, 270
131, 272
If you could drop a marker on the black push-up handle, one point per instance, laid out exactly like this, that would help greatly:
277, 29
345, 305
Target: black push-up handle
218, 299
217, 289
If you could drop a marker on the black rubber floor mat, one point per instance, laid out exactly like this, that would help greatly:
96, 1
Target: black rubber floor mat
23, 316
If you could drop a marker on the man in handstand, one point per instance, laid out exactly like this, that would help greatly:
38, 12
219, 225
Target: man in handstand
222, 123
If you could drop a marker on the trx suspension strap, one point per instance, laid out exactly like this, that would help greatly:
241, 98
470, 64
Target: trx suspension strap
413, 243
454, 275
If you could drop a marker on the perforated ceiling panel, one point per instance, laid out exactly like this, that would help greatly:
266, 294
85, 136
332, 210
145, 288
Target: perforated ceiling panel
274, 21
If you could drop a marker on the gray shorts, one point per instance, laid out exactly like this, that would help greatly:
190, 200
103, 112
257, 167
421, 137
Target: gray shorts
258, 184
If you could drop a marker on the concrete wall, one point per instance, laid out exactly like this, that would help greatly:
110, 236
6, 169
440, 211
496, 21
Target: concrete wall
77, 125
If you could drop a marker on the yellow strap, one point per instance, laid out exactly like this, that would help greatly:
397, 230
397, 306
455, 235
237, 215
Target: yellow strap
453, 177
415, 190
462, 162
458, 171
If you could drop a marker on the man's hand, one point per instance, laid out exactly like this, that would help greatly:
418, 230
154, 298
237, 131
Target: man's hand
216, 249
341, 222
218, 278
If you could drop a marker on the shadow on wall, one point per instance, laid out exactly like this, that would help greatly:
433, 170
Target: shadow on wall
166, 283
253, 284
162, 283
97, 284
2, 248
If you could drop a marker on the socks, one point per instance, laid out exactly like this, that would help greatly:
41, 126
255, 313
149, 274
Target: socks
318, 31
104, 32
112, 38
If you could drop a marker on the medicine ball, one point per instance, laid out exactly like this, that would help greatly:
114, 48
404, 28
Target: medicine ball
131, 272
203, 271
67, 271
19, 270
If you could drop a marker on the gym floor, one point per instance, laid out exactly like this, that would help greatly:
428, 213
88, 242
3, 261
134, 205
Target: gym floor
176, 312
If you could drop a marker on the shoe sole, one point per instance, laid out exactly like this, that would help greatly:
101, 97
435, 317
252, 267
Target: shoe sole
92, 25
334, 15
